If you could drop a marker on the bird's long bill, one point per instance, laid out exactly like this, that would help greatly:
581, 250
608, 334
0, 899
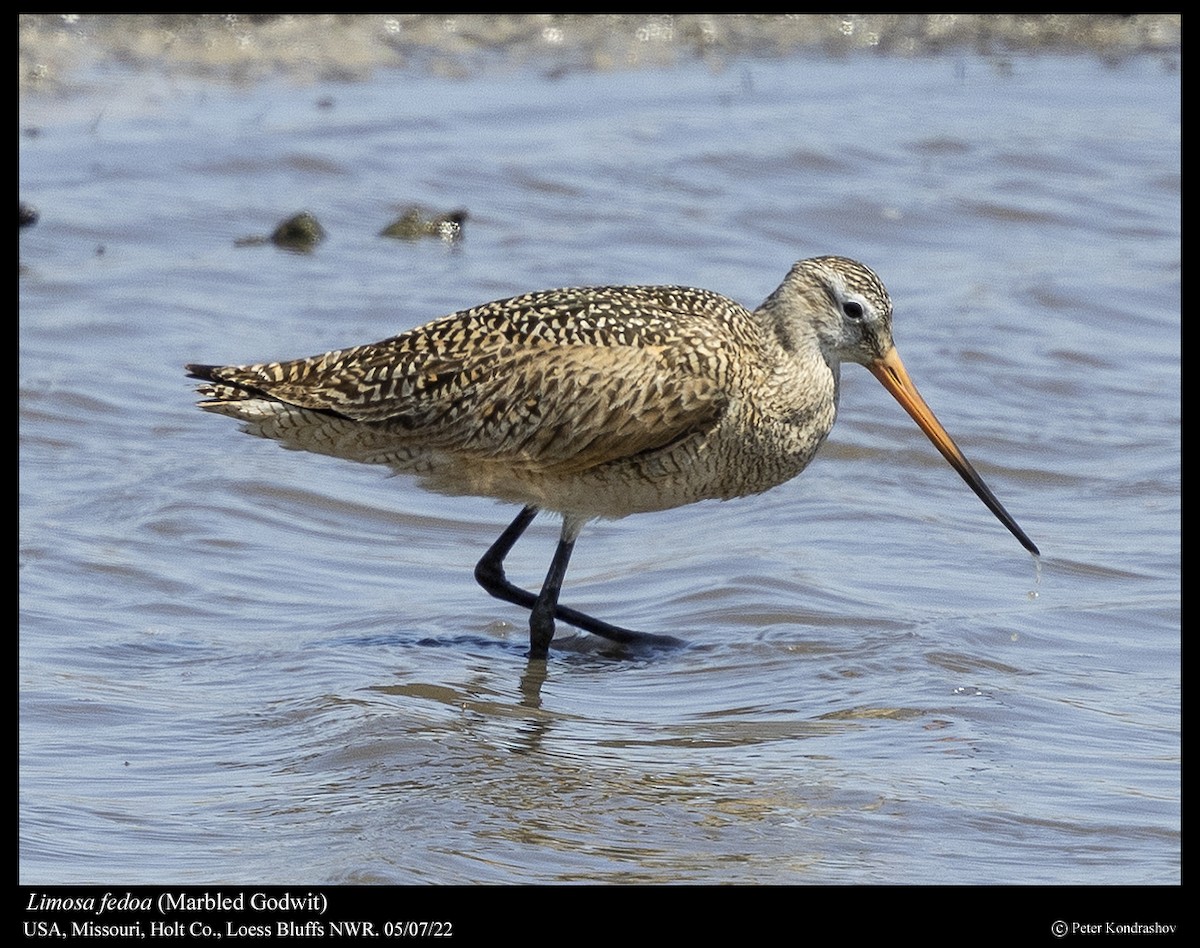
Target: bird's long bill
891, 372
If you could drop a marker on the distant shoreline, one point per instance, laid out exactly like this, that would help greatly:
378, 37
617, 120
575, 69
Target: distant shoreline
248, 48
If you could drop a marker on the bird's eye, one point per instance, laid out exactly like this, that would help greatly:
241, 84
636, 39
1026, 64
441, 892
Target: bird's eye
852, 309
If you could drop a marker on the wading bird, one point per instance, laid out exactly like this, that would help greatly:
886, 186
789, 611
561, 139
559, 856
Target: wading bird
594, 402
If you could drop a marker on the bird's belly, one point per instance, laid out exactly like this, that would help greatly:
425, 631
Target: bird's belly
736, 459
713, 467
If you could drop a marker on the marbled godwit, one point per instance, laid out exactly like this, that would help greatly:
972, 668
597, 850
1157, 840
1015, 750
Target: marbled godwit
594, 402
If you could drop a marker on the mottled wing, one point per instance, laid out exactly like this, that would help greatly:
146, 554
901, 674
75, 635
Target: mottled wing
564, 409
555, 382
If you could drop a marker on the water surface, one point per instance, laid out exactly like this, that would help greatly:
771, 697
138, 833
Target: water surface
241, 664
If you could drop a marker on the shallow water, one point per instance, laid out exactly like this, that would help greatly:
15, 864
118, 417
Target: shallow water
242, 664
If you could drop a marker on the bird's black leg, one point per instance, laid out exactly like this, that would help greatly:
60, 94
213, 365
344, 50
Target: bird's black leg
541, 616
544, 608
489, 571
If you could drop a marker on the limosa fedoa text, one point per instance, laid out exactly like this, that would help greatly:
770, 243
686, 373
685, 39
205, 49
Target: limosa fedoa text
594, 402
